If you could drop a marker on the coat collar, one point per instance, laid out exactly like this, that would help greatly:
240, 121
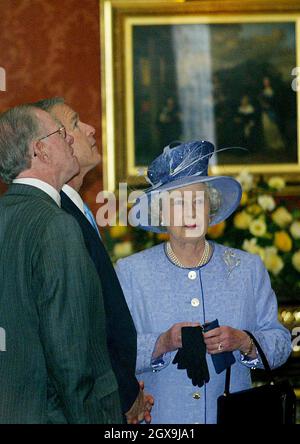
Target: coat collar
16, 189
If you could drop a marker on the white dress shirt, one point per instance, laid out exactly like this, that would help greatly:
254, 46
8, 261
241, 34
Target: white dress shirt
44, 186
74, 196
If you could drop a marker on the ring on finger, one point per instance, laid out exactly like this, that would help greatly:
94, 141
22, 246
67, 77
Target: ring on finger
220, 346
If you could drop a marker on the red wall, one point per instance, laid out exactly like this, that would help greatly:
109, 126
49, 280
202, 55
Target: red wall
51, 48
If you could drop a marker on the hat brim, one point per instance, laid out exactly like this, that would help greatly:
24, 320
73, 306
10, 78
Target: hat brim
229, 189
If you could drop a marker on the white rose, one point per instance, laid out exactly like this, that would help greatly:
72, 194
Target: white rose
258, 227
252, 247
282, 217
246, 180
276, 182
295, 230
266, 202
296, 260
271, 250
242, 220
273, 261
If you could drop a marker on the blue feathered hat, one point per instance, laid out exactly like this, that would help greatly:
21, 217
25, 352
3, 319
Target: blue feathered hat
183, 164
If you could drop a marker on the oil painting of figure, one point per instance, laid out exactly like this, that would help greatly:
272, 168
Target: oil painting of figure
229, 83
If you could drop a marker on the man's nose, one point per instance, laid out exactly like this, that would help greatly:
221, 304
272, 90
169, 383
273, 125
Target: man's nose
90, 130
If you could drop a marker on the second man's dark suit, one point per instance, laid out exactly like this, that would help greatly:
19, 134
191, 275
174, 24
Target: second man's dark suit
120, 329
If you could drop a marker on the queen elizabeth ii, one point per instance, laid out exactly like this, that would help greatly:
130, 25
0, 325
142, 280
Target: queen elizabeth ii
188, 281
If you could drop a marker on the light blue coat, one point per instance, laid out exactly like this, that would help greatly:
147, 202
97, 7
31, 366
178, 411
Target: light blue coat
233, 287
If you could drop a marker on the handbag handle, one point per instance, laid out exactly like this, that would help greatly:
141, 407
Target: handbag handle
264, 361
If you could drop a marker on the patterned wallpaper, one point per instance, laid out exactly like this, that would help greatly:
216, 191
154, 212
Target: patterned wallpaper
50, 48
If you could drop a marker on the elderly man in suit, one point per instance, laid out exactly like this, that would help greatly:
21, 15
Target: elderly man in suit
55, 367
121, 333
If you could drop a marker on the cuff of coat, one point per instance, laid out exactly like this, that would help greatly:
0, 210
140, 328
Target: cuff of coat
250, 362
161, 362
145, 346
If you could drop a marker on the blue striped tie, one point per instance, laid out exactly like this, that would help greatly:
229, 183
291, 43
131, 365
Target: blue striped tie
91, 219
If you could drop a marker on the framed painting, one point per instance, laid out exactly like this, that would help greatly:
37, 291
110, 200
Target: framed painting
226, 72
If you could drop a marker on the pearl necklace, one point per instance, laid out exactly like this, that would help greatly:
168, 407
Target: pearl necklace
204, 259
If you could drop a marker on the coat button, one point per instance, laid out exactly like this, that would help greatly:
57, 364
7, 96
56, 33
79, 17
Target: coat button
195, 302
196, 395
192, 275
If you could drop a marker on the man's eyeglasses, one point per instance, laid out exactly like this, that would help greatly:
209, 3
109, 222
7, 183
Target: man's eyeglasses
61, 131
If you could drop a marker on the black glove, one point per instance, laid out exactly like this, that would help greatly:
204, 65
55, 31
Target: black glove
192, 355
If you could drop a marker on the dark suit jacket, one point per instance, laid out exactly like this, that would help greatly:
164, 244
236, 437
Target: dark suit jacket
56, 366
120, 329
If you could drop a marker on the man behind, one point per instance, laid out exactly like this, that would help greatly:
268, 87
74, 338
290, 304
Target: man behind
120, 329
56, 366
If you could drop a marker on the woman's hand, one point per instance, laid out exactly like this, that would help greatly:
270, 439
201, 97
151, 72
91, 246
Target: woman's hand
171, 339
226, 338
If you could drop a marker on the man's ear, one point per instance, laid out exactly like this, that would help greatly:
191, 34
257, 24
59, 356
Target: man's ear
39, 151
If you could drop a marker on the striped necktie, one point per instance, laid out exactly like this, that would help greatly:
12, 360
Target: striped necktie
89, 215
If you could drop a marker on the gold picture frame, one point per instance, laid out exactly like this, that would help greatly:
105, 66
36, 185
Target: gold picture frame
118, 19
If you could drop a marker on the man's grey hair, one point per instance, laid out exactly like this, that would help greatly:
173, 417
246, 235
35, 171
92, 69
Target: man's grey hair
48, 104
19, 126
